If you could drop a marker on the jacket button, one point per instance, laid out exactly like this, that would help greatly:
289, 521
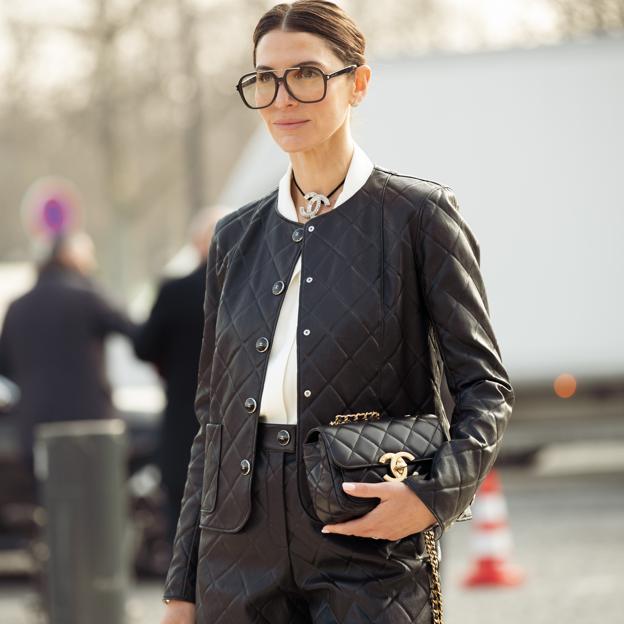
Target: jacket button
297, 235
250, 404
310, 228
278, 287
283, 437
306, 332
245, 466
262, 344
307, 393
309, 279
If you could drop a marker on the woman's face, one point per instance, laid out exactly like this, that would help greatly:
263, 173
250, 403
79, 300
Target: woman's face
296, 126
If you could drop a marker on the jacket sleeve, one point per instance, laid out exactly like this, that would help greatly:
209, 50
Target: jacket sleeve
107, 318
181, 576
150, 339
447, 255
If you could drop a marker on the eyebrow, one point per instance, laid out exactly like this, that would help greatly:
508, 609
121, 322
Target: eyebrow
300, 64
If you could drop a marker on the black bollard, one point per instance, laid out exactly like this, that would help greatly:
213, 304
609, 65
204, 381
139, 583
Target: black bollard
81, 470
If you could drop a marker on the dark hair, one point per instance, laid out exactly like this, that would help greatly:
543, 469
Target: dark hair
325, 19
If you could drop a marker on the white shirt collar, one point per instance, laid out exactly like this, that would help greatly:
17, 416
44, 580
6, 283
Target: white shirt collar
359, 171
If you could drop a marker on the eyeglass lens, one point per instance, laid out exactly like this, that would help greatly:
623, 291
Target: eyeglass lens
306, 84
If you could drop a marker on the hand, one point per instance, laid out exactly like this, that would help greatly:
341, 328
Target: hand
179, 612
399, 514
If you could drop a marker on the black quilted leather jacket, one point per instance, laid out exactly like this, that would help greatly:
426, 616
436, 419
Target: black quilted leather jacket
396, 298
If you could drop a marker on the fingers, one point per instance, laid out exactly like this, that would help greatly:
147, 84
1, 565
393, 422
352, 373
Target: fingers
398, 514
368, 525
362, 527
367, 490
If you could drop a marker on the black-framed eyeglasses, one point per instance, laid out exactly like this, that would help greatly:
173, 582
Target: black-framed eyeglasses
306, 84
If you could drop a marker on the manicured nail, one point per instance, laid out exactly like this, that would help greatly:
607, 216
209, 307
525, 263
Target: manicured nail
348, 487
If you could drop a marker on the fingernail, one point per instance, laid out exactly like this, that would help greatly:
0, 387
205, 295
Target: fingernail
325, 530
348, 487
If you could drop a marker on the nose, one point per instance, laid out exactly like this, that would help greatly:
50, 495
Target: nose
283, 98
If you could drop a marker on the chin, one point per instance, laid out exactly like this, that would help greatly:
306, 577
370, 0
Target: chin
292, 144
297, 143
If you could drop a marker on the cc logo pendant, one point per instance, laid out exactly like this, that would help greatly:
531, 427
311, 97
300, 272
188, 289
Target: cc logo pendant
314, 204
398, 467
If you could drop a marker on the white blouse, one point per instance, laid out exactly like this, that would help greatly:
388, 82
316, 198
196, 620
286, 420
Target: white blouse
279, 396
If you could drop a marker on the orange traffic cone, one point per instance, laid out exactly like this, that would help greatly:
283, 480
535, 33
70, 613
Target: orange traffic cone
492, 542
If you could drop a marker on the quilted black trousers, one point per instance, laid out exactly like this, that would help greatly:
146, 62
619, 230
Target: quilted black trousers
280, 569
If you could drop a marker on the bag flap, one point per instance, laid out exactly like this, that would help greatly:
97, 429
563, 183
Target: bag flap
361, 444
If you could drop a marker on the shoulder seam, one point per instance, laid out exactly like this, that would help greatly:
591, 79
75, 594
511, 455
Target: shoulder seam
245, 208
405, 175
237, 215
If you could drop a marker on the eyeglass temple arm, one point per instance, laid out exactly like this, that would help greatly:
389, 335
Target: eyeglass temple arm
344, 70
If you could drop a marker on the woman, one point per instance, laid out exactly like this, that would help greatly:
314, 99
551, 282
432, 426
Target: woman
346, 289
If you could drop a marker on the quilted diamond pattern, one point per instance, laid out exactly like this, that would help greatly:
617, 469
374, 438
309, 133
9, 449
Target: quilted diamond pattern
360, 444
455, 299
351, 452
397, 301
212, 459
282, 570
182, 573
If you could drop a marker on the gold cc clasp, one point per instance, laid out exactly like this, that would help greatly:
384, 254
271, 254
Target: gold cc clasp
398, 467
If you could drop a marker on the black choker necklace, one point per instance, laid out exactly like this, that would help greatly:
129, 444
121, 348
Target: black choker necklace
314, 199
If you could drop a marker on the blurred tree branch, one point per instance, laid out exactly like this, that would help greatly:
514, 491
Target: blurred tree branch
149, 123
595, 17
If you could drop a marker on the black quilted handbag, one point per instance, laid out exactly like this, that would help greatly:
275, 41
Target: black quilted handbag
362, 447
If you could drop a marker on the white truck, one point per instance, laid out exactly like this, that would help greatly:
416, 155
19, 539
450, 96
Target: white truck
532, 142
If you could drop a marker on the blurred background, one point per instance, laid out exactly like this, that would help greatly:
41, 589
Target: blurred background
121, 117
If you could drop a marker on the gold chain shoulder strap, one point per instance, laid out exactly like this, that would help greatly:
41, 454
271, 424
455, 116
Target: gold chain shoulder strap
436, 591
341, 419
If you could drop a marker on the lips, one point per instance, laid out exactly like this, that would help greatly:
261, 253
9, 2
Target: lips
291, 123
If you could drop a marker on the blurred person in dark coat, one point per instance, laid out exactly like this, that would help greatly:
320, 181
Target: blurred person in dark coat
171, 339
52, 341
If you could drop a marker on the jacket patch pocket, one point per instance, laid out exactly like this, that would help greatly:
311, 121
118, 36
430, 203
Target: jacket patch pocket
212, 460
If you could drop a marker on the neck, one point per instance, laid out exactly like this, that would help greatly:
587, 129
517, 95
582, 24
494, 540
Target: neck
322, 168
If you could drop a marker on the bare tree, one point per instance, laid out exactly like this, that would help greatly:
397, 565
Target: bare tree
151, 126
588, 17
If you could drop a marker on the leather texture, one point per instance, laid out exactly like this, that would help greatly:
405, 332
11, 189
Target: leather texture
397, 300
351, 452
280, 569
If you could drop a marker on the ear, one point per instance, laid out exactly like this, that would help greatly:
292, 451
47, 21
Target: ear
362, 77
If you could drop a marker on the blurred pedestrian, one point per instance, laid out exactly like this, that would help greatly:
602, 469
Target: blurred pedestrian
171, 339
52, 341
